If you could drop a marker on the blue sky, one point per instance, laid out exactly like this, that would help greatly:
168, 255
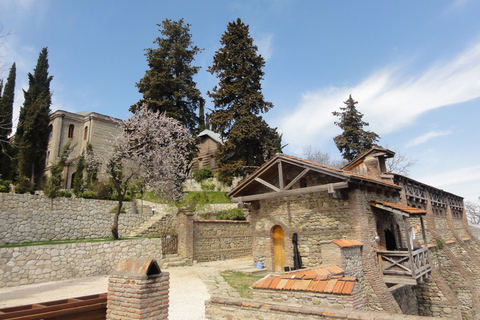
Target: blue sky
413, 67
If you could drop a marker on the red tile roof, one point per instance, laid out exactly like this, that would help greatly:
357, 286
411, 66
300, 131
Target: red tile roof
347, 243
327, 279
401, 207
343, 173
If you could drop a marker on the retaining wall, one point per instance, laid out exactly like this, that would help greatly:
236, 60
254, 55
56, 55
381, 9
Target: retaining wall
221, 239
28, 218
37, 264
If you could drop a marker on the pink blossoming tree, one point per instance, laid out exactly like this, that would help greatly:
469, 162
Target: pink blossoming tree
152, 148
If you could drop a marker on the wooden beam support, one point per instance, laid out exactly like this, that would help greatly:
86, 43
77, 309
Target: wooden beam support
300, 175
280, 175
272, 195
265, 183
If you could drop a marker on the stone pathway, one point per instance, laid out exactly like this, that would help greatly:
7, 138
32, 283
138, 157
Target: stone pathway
190, 287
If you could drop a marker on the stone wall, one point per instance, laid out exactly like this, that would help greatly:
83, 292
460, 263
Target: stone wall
221, 239
239, 309
44, 263
314, 217
29, 218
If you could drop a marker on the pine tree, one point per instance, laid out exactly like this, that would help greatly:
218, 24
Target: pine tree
238, 101
6, 112
354, 140
32, 130
168, 85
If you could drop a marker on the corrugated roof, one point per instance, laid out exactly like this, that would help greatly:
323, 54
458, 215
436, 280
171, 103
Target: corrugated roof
327, 279
215, 136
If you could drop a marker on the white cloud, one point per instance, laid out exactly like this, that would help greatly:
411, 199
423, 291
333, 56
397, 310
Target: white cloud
389, 99
463, 182
426, 137
264, 44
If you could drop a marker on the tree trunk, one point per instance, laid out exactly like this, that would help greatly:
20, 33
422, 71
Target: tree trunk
115, 218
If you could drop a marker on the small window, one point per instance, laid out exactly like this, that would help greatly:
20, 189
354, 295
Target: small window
71, 128
50, 129
85, 133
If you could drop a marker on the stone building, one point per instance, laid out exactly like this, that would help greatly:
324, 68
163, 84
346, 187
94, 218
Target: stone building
80, 129
407, 244
207, 147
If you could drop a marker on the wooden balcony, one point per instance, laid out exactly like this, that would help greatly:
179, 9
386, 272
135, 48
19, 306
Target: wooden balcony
404, 267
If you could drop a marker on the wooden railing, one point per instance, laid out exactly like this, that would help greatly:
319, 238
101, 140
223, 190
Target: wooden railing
92, 307
170, 244
403, 266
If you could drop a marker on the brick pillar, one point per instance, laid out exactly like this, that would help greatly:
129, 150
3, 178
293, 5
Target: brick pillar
185, 234
138, 290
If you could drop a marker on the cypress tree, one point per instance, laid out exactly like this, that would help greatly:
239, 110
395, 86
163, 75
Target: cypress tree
238, 102
168, 85
6, 115
32, 130
353, 141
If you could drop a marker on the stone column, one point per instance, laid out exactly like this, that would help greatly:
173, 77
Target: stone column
185, 234
138, 290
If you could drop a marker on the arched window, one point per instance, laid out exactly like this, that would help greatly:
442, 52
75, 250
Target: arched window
50, 129
85, 133
71, 128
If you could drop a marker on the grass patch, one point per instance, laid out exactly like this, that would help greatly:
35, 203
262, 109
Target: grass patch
202, 197
242, 282
43, 243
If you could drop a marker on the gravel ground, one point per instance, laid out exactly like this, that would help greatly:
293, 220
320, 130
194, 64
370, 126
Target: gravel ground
190, 286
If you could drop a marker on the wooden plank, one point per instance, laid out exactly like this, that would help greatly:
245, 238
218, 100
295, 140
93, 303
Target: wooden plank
272, 195
280, 175
265, 183
52, 307
402, 280
295, 180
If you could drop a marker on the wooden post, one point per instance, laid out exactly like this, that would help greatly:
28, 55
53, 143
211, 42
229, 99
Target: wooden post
409, 246
425, 243
280, 175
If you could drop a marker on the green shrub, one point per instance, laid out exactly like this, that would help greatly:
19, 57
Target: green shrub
87, 195
65, 194
202, 174
102, 190
5, 185
24, 185
207, 186
232, 214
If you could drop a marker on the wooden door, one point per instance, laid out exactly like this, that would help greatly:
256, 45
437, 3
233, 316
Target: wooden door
279, 260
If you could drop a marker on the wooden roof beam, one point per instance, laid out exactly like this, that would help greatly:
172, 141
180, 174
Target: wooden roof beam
272, 195
265, 183
300, 175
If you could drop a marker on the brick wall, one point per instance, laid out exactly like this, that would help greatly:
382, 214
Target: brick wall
239, 309
138, 290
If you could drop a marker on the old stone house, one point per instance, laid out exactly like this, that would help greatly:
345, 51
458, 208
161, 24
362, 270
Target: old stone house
207, 146
406, 244
80, 129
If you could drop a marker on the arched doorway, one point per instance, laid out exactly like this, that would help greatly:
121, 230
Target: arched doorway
279, 260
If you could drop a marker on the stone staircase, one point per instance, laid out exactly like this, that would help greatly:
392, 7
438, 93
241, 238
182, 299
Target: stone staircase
149, 227
172, 260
